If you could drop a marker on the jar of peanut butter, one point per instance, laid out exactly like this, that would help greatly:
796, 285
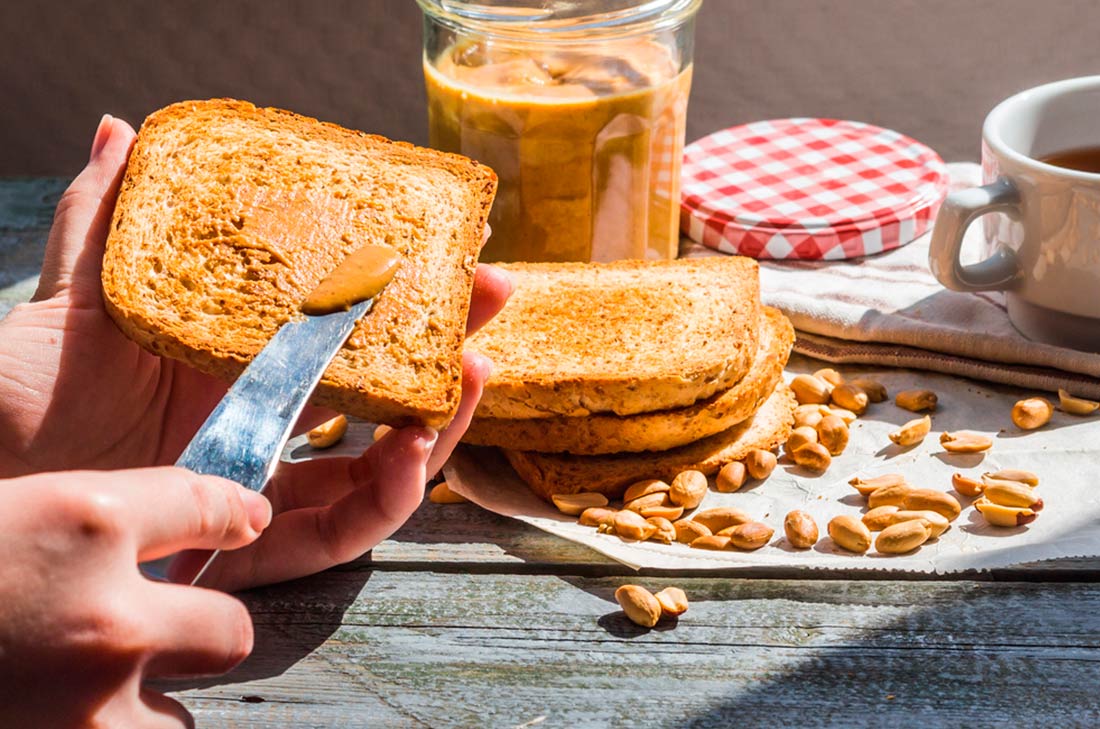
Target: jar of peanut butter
579, 106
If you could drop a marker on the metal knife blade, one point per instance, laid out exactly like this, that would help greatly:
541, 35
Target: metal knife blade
245, 434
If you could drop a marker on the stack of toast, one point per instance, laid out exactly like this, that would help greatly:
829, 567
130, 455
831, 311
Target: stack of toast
606, 374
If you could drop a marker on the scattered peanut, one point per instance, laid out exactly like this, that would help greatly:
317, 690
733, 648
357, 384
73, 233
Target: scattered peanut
380, 432
731, 478
687, 530
328, 433
916, 400
596, 515
721, 517
713, 541
574, 504
940, 502
809, 389
851, 398
644, 488
801, 436
846, 415
850, 533
912, 432
657, 498
808, 415
967, 486
673, 601
1004, 516
832, 432
1014, 474
937, 522
892, 495
801, 529
880, 517
1076, 405
813, 457
876, 391
639, 604
760, 463
1032, 413
965, 441
828, 374
441, 494
867, 486
666, 533
753, 535
632, 525
688, 489
1011, 493
665, 511
903, 537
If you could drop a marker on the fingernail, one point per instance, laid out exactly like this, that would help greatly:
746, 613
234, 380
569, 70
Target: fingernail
427, 438
258, 508
102, 134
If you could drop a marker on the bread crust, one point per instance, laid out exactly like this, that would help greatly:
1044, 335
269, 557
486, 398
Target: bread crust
626, 337
609, 475
185, 275
602, 433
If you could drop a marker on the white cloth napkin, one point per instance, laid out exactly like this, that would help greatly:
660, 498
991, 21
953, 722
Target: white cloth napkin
890, 310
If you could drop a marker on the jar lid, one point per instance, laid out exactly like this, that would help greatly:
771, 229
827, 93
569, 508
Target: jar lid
809, 189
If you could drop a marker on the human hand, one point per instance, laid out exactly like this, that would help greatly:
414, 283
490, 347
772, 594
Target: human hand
80, 627
76, 393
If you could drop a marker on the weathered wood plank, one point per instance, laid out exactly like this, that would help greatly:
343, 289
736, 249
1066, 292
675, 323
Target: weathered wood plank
424, 649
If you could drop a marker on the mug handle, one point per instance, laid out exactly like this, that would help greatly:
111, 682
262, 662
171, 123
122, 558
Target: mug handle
959, 210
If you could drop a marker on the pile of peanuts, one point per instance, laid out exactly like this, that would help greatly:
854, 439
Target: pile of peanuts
646, 609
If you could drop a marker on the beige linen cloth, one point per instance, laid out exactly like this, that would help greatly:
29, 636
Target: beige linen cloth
890, 310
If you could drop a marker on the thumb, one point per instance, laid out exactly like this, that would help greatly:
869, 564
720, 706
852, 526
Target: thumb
74, 251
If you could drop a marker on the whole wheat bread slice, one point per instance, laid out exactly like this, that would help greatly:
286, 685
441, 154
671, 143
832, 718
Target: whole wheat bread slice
625, 337
602, 433
563, 473
230, 214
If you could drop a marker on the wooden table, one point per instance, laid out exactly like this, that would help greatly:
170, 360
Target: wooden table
465, 618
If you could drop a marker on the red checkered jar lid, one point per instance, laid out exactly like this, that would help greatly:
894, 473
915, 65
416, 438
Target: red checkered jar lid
809, 189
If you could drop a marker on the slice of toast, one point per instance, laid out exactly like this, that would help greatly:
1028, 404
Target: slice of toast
625, 337
657, 431
229, 215
609, 475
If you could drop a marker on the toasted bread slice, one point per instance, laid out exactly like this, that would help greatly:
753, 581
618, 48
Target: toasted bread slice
626, 337
229, 215
657, 431
564, 473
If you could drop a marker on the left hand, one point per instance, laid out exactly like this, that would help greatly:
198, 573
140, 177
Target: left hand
77, 393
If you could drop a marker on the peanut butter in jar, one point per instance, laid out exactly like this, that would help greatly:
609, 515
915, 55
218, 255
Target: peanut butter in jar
583, 124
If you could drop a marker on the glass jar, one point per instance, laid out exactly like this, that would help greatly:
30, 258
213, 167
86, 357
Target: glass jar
580, 108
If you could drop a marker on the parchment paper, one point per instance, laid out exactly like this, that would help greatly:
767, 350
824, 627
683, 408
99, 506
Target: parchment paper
1064, 454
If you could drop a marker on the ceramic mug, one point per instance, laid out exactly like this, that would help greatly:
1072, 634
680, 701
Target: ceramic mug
1044, 252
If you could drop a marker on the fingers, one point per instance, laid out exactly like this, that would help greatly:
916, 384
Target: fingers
492, 287
74, 251
196, 632
166, 713
475, 371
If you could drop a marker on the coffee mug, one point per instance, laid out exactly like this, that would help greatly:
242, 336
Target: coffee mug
1044, 251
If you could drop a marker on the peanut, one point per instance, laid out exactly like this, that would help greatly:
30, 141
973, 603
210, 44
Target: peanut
760, 463
721, 517
441, 494
937, 522
912, 433
892, 495
903, 537
731, 478
879, 517
639, 604
967, 486
687, 531
808, 389
644, 488
380, 432
916, 400
813, 457
673, 601
753, 535
632, 525
867, 486
801, 529
940, 502
1014, 474
1076, 405
807, 415
876, 391
965, 441
328, 433
665, 533
595, 516
670, 512
851, 398
1011, 493
1004, 516
850, 533
1032, 413
688, 489
574, 504
846, 415
828, 374
832, 432
658, 498
712, 541
800, 437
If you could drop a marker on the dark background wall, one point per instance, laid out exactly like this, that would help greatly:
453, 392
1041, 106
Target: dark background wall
929, 68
